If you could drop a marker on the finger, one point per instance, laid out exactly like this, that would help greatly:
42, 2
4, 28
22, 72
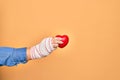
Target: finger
53, 41
58, 38
59, 42
55, 45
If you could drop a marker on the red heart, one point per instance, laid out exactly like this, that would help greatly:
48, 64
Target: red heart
65, 40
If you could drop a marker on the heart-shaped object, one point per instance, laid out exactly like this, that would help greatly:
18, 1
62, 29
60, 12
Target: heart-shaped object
65, 40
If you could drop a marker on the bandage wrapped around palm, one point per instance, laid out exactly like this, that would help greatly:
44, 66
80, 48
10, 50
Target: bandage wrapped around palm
45, 47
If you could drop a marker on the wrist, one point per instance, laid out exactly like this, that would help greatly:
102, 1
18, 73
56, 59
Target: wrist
28, 54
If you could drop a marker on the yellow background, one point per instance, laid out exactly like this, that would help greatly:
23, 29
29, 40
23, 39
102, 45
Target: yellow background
93, 26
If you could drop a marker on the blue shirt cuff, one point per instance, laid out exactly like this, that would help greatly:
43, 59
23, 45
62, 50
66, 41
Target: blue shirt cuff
19, 55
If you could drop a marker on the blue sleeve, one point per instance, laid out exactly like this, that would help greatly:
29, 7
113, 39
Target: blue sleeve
12, 56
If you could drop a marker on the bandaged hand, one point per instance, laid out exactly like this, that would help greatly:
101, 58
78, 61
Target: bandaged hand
45, 47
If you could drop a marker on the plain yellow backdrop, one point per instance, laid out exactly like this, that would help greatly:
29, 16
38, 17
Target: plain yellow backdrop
93, 26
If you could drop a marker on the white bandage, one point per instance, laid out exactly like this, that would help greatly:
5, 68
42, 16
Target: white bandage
42, 49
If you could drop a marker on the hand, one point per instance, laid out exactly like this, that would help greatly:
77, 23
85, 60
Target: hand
31, 51
56, 41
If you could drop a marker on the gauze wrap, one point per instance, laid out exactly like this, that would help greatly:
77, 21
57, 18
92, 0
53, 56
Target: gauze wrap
42, 49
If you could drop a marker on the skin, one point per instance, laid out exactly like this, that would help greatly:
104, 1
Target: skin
55, 42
